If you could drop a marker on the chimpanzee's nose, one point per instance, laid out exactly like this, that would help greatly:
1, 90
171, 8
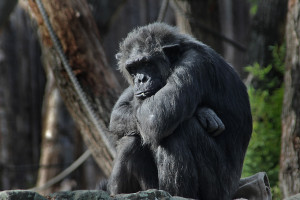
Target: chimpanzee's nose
141, 78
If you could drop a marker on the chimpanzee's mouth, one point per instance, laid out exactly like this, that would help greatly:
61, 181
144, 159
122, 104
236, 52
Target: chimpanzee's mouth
144, 94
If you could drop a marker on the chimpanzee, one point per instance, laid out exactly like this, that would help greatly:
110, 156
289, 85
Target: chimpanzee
180, 92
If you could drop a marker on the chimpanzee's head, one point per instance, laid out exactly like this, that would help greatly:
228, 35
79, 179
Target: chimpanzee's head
147, 57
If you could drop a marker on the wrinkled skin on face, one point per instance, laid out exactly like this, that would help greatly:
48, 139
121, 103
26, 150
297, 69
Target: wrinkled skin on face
148, 77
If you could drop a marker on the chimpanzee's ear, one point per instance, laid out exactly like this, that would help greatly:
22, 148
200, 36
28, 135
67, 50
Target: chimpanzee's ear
172, 51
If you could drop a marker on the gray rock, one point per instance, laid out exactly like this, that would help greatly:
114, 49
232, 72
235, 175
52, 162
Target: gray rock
86, 195
80, 195
20, 195
148, 195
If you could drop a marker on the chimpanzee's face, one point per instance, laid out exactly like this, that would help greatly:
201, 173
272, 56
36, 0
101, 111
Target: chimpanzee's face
147, 76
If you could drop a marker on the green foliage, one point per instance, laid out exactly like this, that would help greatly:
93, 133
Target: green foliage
266, 103
278, 54
269, 77
264, 148
257, 71
276, 192
253, 7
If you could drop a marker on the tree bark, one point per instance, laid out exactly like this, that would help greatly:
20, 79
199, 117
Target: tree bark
104, 12
127, 17
74, 25
220, 24
6, 7
22, 83
201, 18
182, 8
57, 148
290, 147
267, 30
235, 25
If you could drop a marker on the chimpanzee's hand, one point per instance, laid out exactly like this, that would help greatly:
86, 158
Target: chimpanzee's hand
210, 121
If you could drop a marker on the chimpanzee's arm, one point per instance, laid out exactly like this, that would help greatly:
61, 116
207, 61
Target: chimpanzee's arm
159, 115
210, 121
122, 120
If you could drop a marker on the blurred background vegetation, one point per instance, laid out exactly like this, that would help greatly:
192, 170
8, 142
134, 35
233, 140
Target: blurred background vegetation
266, 104
38, 136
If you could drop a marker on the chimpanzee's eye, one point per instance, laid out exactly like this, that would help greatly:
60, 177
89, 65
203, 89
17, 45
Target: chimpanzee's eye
131, 69
148, 65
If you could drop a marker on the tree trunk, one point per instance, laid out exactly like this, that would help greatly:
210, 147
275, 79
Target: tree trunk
267, 30
201, 18
290, 147
104, 12
22, 83
127, 17
220, 24
6, 7
182, 8
74, 25
58, 148
235, 25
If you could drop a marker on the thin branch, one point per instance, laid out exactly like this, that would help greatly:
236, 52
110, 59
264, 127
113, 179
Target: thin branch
64, 173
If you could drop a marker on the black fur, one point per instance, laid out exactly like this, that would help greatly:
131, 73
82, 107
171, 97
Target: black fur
161, 142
